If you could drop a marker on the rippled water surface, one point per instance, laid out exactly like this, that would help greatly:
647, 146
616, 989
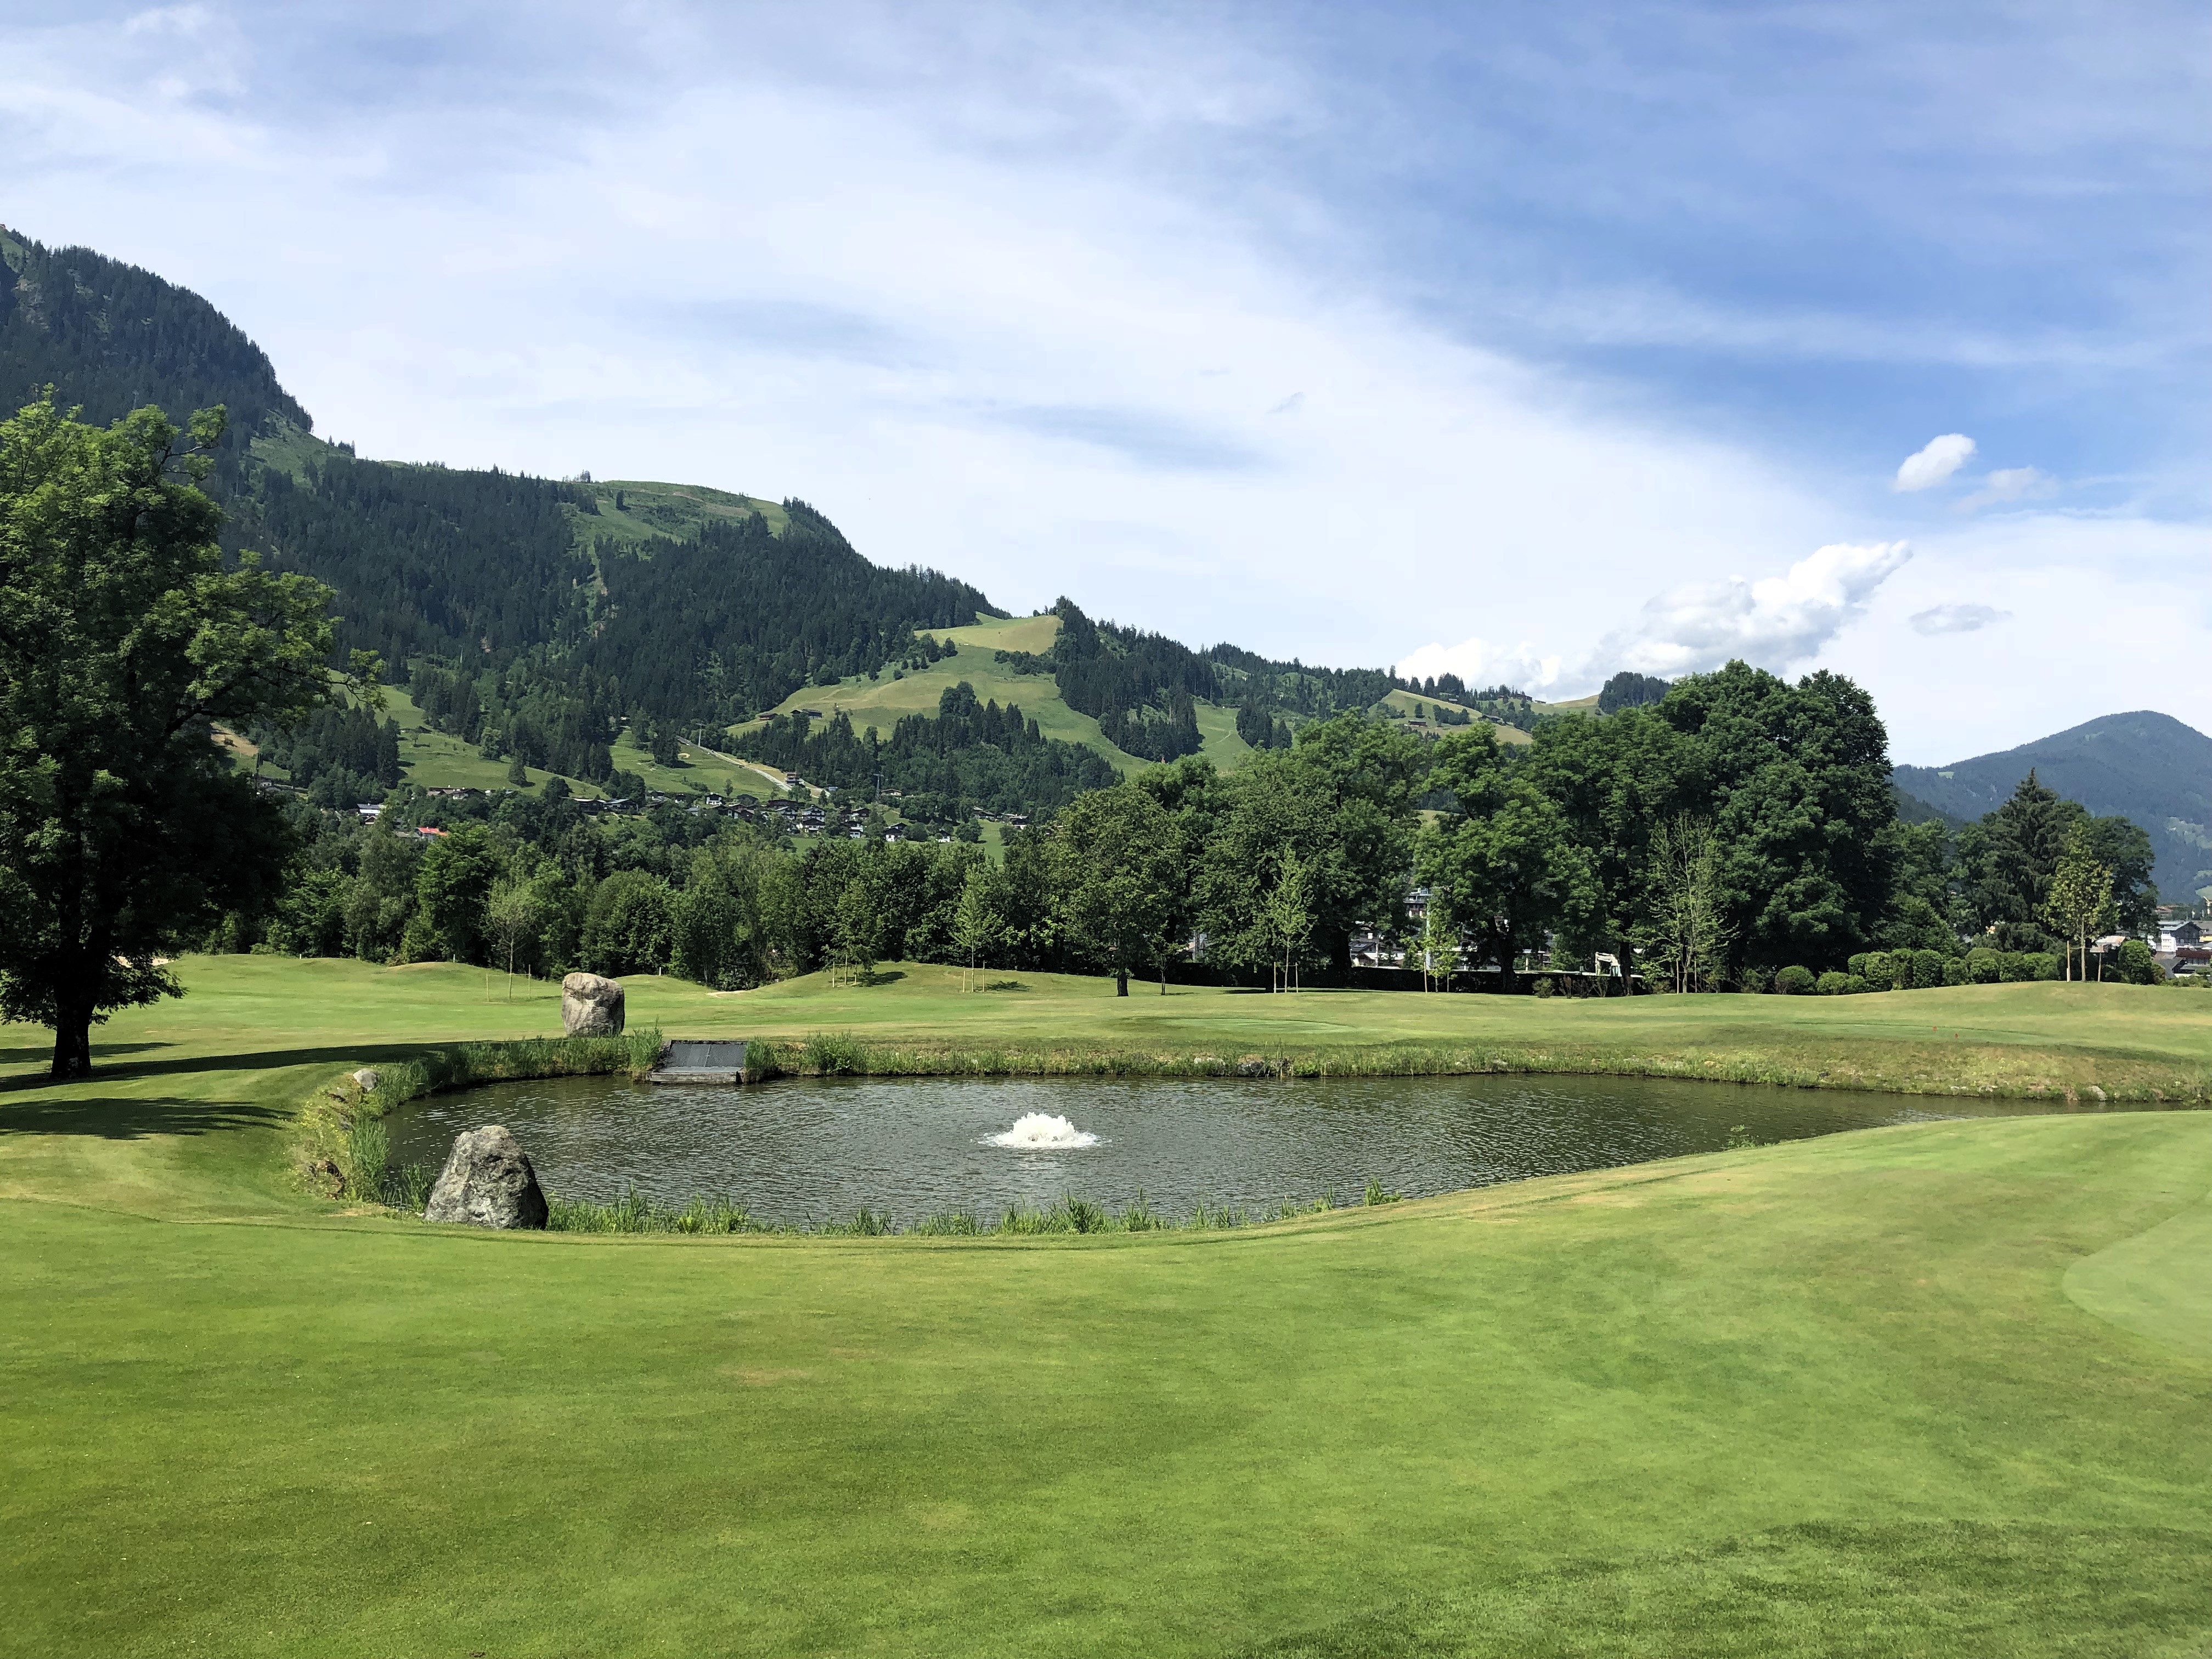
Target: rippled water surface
802, 1150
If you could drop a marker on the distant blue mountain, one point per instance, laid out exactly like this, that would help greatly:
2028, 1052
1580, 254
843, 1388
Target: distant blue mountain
2144, 766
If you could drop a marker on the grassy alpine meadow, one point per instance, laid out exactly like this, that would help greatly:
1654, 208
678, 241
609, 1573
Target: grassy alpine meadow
1941, 1388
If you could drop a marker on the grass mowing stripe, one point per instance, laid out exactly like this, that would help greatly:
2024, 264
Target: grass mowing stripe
1819, 1591
1830, 1396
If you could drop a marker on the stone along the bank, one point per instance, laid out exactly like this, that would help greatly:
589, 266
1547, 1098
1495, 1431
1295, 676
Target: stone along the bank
488, 1182
591, 1006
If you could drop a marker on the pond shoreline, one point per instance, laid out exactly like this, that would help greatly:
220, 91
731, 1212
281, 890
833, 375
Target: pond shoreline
329, 1154
870, 1154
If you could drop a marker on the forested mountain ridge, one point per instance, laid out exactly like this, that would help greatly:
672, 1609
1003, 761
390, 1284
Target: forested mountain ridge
563, 624
112, 337
537, 618
2141, 765
661, 606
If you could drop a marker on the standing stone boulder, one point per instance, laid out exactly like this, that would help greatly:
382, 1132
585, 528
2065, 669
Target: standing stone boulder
488, 1183
592, 1007
368, 1078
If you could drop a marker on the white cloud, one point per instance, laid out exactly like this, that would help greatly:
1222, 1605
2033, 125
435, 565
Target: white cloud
1957, 619
1480, 664
1770, 623
1040, 375
1931, 465
985, 311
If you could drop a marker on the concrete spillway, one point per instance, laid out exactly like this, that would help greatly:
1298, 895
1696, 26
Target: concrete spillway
699, 1062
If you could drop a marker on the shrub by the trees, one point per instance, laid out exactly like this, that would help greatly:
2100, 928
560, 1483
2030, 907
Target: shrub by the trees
2134, 965
1834, 983
1795, 982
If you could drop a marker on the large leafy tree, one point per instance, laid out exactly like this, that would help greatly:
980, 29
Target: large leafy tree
124, 639
1921, 905
1117, 857
1342, 800
1504, 863
1796, 781
1612, 780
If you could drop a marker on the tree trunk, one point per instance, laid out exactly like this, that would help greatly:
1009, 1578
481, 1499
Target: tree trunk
72, 1037
1121, 981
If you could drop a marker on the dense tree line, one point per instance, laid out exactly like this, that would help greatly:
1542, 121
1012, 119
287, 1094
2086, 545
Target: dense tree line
340, 757
563, 721
1628, 689
1741, 832
429, 560
1261, 727
1294, 688
1140, 687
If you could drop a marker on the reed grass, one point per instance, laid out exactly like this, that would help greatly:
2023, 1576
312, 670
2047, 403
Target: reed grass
634, 1212
341, 1141
1995, 1071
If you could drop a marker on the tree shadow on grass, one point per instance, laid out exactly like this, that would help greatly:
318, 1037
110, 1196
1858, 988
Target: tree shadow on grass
37, 1105
265, 1059
37, 1053
126, 1117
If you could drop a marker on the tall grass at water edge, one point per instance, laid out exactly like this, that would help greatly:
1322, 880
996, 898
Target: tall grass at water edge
1981, 1069
635, 1213
342, 1146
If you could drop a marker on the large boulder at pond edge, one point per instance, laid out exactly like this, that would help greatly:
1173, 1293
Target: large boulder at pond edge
591, 1006
487, 1182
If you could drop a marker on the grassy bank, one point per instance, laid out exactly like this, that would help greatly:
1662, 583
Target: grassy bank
1934, 1389
339, 1143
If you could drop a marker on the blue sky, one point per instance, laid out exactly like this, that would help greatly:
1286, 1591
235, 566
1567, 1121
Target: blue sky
1527, 340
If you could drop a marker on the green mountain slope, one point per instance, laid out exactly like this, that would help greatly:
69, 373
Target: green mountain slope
590, 628
2143, 765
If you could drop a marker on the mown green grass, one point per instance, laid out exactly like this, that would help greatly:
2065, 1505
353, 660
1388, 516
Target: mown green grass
1936, 1390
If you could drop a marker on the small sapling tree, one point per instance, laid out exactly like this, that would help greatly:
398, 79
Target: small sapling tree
2081, 898
975, 924
854, 931
1438, 944
512, 914
1289, 910
1686, 932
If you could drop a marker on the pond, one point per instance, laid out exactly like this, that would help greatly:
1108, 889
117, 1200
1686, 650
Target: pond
813, 1150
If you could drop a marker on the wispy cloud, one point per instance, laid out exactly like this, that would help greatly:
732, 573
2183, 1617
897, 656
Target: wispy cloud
1144, 438
1957, 619
2009, 483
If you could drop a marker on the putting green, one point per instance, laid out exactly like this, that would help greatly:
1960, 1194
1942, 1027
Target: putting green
1865, 1395
2157, 1283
